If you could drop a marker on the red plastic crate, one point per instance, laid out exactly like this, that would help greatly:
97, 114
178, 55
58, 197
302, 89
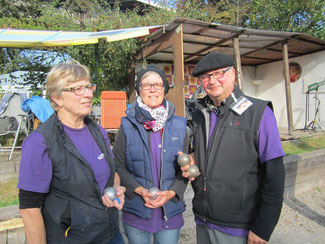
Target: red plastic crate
113, 106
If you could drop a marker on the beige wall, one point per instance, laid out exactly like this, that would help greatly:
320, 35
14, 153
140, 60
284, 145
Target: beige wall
272, 88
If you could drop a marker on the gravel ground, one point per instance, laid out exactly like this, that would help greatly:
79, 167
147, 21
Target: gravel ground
302, 221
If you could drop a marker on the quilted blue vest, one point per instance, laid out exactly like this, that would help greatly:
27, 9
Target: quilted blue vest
139, 164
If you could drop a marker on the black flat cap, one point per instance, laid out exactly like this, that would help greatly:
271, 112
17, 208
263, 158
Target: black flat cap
154, 68
212, 61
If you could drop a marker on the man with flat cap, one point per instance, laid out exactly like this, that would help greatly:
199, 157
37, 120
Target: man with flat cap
236, 145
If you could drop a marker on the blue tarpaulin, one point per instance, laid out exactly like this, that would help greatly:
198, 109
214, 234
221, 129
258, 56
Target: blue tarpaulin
39, 106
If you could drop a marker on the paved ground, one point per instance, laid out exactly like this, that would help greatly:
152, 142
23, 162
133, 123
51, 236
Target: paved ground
298, 133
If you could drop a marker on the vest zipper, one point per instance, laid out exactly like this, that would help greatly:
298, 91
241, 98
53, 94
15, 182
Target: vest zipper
209, 161
161, 169
207, 170
205, 197
209, 164
205, 184
205, 204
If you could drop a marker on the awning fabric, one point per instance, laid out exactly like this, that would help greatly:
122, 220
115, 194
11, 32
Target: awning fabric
40, 38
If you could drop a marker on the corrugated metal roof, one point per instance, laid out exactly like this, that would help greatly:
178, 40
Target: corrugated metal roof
256, 46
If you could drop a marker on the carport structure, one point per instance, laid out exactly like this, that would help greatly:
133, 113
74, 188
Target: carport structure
186, 41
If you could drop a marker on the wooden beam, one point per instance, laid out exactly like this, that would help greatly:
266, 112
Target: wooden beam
9, 224
174, 39
256, 58
131, 78
277, 51
160, 44
238, 63
210, 47
176, 95
287, 87
261, 48
199, 39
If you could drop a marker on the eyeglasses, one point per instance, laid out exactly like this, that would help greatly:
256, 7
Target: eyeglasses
80, 90
215, 74
147, 86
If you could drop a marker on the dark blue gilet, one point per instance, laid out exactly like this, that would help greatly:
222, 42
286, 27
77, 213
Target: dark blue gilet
139, 164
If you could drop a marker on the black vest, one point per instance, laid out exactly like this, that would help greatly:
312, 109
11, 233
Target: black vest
227, 192
74, 198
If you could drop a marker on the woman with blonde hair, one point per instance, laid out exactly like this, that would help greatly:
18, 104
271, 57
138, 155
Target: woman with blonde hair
65, 166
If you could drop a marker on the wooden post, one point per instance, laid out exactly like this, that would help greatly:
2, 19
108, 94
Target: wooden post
131, 78
176, 95
238, 63
287, 87
174, 39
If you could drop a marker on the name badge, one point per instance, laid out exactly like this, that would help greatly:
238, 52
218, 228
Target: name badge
241, 105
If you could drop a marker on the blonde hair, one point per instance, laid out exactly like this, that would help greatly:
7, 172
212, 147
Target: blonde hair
61, 75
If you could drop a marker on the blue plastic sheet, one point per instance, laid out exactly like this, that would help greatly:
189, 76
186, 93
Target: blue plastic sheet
39, 106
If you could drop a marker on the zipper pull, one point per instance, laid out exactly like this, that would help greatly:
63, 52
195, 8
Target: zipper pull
66, 232
205, 184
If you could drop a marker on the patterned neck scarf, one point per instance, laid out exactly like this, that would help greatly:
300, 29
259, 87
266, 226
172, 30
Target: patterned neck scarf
152, 119
211, 107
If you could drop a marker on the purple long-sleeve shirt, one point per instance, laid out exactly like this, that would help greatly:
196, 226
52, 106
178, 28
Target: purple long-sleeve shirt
35, 166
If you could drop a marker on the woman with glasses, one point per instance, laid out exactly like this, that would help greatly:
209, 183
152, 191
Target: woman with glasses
65, 166
145, 153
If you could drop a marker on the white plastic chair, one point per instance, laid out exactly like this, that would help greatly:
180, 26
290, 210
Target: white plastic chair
11, 108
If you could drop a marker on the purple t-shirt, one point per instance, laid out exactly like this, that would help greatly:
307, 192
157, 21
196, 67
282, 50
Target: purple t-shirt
269, 147
156, 222
35, 172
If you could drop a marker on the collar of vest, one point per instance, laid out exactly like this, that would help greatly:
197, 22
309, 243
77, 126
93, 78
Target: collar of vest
225, 105
87, 121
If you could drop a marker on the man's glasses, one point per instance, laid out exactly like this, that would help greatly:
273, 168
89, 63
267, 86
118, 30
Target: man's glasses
80, 90
215, 74
147, 86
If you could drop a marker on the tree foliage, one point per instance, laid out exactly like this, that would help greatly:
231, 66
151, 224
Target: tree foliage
108, 62
303, 16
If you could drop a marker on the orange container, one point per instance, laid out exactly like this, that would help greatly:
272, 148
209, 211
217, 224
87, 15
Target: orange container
113, 105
